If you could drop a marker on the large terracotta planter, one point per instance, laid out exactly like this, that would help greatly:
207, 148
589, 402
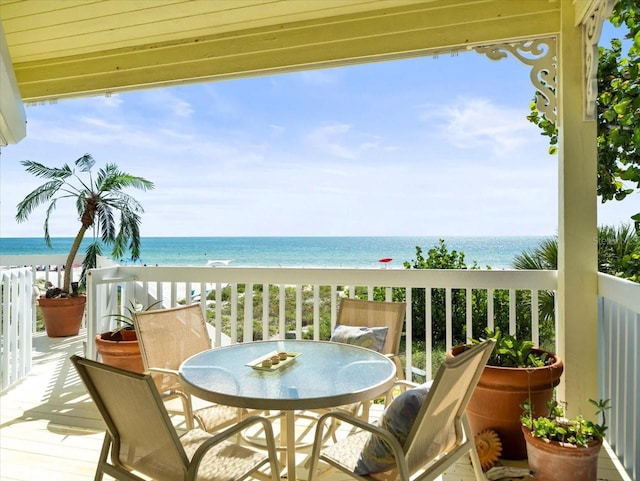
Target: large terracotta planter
62, 316
553, 461
122, 352
495, 403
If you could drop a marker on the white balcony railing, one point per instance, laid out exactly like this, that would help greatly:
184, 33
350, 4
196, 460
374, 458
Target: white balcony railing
19, 292
172, 285
16, 293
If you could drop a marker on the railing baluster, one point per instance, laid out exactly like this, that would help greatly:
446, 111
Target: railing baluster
448, 319
282, 311
266, 334
298, 311
218, 316
234, 313
512, 312
469, 313
535, 318
247, 328
490, 310
428, 329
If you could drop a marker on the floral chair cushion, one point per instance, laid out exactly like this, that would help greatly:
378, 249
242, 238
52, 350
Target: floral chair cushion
369, 337
398, 418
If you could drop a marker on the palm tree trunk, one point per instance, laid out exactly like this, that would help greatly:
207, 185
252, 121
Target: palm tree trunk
68, 267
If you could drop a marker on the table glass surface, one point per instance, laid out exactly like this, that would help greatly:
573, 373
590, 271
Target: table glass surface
325, 374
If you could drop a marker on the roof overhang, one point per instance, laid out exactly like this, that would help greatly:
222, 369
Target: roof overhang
74, 48
54, 50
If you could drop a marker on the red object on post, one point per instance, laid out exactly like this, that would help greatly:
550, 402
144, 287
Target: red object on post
385, 261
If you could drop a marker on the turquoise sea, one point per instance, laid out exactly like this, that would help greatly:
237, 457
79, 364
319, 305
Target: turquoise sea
352, 252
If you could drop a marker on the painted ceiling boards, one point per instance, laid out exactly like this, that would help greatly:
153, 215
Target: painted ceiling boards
73, 48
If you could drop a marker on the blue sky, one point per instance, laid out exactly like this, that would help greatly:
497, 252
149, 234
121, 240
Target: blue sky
429, 146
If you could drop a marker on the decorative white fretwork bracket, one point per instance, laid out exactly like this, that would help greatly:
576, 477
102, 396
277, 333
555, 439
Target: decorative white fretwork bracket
541, 55
591, 30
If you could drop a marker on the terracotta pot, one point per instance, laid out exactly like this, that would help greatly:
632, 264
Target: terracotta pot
553, 461
62, 316
122, 352
495, 403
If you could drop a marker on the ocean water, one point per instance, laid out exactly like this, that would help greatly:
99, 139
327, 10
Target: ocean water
351, 252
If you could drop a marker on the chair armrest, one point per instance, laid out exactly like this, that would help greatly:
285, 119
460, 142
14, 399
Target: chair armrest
161, 370
403, 385
388, 438
359, 423
172, 375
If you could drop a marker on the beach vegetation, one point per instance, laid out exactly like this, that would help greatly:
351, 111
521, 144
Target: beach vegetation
441, 257
291, 313
96, 201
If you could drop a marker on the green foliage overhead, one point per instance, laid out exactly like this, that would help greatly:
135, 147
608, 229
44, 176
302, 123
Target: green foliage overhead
618, 109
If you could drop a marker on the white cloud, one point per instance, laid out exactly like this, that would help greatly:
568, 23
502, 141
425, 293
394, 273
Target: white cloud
479, 123
340, 140
183, 109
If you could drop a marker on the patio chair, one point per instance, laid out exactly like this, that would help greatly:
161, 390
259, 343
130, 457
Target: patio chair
358, 316
376, 314
141, 438
422, 432
168, 337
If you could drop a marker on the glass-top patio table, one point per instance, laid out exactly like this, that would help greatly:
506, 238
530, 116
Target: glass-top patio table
316, 374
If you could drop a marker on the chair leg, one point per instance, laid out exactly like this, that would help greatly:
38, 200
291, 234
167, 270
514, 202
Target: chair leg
315, 452
475, 459
188, 410
104, 453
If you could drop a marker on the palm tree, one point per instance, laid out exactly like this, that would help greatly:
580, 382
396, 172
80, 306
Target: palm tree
97, 200
542, 257
618, 255
619, 251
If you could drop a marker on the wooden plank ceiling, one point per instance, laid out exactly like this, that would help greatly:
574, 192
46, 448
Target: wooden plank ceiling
73, 47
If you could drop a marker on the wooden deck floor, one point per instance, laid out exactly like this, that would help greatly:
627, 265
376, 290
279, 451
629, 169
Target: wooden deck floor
50, 430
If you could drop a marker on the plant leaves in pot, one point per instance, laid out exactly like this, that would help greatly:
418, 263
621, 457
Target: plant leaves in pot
561, 449
515, 372
96, 200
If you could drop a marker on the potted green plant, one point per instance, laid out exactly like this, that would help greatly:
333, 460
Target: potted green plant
516, 371
562, 449
120, 346
97, 199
